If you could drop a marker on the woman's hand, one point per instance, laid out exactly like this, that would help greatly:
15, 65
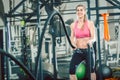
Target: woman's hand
93, 76
90, 42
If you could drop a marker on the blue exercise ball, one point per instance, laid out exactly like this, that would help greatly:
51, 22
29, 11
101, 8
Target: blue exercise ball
106, 71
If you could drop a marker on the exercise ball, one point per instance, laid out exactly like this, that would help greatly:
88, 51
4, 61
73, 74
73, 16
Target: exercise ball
106, 71
80, 71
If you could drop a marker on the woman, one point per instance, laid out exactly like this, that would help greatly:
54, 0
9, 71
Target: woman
82, 34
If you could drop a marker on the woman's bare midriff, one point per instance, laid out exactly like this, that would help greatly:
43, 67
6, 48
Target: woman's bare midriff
82, 43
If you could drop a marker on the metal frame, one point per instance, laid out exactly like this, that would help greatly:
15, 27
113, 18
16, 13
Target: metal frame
22, 15
97, 8
115, 3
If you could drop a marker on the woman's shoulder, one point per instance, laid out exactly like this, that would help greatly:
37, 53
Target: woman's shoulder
90, 21
73, 24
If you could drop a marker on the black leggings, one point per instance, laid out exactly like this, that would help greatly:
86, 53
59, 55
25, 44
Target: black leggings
80, 55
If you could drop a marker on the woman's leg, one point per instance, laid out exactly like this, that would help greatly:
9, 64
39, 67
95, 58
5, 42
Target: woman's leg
90, 65
73, 77
93, 59
74, 62
76, 59
93, 74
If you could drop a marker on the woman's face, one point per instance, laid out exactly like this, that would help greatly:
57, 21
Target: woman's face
80, 11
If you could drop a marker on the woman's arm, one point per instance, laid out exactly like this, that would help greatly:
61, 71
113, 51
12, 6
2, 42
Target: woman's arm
72, 37
92, 32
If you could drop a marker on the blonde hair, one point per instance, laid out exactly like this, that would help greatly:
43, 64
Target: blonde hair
80, 5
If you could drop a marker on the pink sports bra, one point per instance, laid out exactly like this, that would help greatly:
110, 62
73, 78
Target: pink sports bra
81, 33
